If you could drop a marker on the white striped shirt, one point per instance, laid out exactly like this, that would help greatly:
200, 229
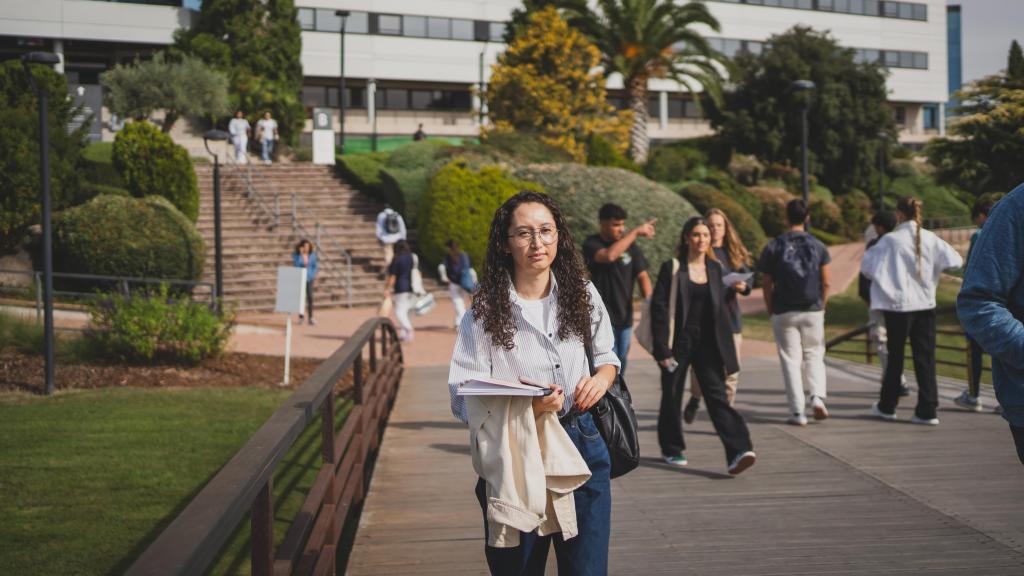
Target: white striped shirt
538, 353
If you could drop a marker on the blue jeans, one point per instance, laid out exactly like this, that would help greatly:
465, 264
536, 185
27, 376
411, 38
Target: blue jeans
623, 337
586, 554
268, 148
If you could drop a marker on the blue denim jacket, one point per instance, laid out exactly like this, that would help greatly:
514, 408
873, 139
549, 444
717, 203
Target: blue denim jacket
991, 301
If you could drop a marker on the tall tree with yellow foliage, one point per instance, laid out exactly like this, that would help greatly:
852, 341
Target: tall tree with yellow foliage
548, 82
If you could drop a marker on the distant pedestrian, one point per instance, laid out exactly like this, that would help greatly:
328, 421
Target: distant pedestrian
305, 257
399, 285
458, 274
904, 269
239, 129
419, 134
795, 268
991, 305
266, 131
882, 223
390, 229
734, 257
616, 264
701, 337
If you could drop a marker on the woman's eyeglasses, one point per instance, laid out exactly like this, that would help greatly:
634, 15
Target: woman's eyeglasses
524, 237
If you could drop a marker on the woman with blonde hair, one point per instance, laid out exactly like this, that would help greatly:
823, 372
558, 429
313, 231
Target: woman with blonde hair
904, 268
734, 257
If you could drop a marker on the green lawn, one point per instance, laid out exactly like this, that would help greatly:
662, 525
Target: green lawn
847, 311
91, 477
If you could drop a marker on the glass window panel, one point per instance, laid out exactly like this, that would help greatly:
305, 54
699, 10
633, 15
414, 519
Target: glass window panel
307, 19
676, 107
842, 5
930, 117
756, 2
357, 23
414, 26
826, 5
772, 3
690, 109
856, 6
805, 4
617, 101
439, 28
461, 100
326, 21
920, 12
313, 96
497, 31
871, 56
900, 115
731, 47
462, 29
397, 99
420, 99
389, 24
716, 44
755, 47
906, 59
355, 97
871, 7
892, 58
921, 60
906, 11
653, 106
891, 10
332, 96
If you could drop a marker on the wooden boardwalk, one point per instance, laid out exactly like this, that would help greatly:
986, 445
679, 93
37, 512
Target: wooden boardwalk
847, 496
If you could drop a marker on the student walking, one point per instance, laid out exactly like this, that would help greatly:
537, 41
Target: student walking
390, 230
458, 274
305, 257
530, 316
796, 280
970, 399
616, 264
266, 131
882, 223
699, 335
239, 129
904, 269
991, 305
734, 257
399, 286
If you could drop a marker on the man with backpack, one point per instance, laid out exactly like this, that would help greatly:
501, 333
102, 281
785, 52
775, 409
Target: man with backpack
796, 281
390, 229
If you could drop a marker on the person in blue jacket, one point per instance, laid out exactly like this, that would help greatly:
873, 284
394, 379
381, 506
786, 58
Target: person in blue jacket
991, 305
305, 257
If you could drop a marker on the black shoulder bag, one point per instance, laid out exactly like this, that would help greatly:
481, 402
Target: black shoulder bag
615, 420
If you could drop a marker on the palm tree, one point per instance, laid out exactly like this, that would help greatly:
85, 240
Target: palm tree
645, 39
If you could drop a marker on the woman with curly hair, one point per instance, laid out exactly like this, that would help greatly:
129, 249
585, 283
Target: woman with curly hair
532, 312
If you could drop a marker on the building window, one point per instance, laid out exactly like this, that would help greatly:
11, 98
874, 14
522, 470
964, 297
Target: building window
439, 28
307, 19
462, 29
654, 106
900, 115
930, 117
415, 26
389, 24
357, 23
497, 31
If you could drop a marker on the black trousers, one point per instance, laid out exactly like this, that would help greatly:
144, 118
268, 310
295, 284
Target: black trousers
919, 327
1018, 439
309, 300
710, 372
974, 380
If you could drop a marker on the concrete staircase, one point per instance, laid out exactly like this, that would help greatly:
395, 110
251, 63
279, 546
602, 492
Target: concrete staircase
254, 247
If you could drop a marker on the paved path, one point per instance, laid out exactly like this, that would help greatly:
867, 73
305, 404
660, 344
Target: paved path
847, 496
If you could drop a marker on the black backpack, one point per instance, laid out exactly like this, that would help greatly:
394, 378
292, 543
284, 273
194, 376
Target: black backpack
798, 275
391, 225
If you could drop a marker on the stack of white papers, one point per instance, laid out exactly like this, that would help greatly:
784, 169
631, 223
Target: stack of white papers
494, 387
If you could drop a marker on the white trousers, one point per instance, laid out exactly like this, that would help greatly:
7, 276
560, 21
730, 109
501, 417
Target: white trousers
241, 141
458, 296
800, 338
403, 304
389, 253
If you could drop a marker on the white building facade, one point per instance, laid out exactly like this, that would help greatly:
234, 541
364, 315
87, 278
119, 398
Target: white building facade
411, 62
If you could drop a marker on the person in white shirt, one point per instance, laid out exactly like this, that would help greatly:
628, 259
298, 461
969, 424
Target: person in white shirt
530, 317
266, 131
239, 129
390, 229
904, 268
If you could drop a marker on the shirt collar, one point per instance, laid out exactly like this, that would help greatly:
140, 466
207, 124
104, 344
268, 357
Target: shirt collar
514, 296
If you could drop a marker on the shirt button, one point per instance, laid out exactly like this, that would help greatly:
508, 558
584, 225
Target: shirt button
558, 365
550, 334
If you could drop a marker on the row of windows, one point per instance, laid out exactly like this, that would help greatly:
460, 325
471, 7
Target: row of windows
887, 58
389, 98
677, 107
882, 8
324, 20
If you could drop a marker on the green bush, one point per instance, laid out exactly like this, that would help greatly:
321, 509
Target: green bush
827, 238
703, 197
601, 152
825, 215
407, 173
745, 169
151, 164
363, 172
902, 168
89, 190
773, 208
157, 327
524, 148
459, 204
119, 236
98, 165
581, 191
855, 207
675, 163
942, 207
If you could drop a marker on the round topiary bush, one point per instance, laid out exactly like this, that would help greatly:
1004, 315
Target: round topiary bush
459, 204
675, 164
704, 198
407, 172
581, 191
151, 164
773, 208
124, 236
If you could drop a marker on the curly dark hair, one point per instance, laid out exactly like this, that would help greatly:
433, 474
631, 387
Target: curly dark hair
492, 303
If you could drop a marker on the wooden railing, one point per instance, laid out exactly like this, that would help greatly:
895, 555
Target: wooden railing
192, 543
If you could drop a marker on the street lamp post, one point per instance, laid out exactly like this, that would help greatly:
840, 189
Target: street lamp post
218, 253
343, 14
883, 138
804, 86
483, 89
44, 176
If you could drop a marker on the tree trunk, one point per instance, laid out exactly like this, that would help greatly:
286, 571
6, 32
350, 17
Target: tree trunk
639, 141
170, 117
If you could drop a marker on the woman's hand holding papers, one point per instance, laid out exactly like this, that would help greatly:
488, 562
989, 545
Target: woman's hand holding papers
550, 403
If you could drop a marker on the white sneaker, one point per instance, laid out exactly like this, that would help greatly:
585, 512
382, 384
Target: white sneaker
312, 322
925, 421
877, 412
968, 402
820, 412
302, 320
742, 462
797, 420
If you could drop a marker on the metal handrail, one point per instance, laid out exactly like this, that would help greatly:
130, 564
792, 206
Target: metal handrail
321, 237
252, 193
192, 542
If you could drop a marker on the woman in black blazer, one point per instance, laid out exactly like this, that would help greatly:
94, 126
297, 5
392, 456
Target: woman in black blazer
702, 338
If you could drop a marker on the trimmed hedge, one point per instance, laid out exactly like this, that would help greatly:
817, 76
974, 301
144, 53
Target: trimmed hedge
773, 208
151, 164
524, 148
703, 197
123, 236
601, 152
407, 173
940, 202
363, 172
675, 163
855, 207
725, 183
581, 190
460, 204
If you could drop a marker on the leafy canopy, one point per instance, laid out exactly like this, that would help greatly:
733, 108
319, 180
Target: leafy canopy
185, 88
546, 83
847, 110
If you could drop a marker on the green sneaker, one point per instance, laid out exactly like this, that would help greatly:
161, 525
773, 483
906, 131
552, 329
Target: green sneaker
676, 460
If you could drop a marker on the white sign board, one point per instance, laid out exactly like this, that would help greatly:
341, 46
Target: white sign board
291, 290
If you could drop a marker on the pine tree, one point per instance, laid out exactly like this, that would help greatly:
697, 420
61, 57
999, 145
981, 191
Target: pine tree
1015, 63
258, 44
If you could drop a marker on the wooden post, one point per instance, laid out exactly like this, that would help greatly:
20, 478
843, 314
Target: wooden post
373, 352
263, 531
327, 427
357, 379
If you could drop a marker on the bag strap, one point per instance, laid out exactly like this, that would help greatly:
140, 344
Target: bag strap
588, 348
673, 296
